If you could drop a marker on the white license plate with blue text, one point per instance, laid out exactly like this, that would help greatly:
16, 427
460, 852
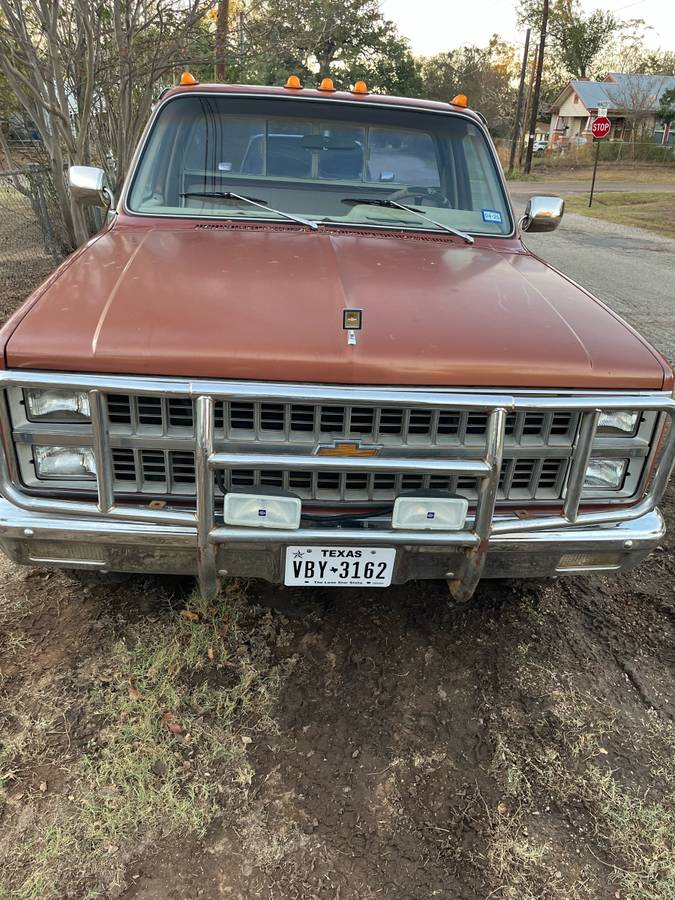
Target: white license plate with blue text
339, 566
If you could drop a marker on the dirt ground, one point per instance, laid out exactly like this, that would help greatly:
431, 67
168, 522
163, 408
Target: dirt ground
338, 744
522, 746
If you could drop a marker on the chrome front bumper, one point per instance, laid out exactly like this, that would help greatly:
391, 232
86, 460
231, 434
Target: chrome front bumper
78, 543
109, 534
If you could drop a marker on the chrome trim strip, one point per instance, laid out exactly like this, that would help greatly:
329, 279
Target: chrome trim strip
104, 472
364, 536
294, 463
580, 459
463, 587
208, 575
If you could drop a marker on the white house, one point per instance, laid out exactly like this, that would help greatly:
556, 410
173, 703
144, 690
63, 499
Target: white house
573, 110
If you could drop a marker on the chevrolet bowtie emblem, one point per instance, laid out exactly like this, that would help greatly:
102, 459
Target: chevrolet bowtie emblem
347, 448
352, 320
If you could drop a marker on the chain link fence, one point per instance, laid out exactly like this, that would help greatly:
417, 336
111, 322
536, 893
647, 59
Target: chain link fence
31, 243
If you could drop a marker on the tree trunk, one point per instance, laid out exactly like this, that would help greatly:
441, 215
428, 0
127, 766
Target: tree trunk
222, 29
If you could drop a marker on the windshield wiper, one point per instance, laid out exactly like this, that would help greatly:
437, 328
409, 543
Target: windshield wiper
393, 204
229, 195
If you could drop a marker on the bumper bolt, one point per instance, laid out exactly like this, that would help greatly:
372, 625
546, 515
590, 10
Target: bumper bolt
28, 532
627, 545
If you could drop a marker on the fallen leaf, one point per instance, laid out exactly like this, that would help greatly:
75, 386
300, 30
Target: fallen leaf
245, 739
167, 717
43, 787
189, 615
134, 693
210, 653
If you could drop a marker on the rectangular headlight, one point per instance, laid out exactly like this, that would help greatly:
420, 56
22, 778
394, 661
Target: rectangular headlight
605, 474
429, 513
64, 462
618, 422
262, 510
57, 405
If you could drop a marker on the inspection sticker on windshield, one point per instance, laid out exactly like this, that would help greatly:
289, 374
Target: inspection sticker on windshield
492, 215
339, 566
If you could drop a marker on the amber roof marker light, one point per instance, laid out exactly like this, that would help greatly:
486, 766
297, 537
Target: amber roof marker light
460, 100
327, 86
293, 83
360, 88
187, 79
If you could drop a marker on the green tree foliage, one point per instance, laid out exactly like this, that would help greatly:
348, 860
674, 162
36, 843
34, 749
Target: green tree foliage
485, 74
343, 39
575, 41
578, 39
655, 62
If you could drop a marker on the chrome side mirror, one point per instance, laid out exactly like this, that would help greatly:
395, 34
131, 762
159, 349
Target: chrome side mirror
543, 214
89, 186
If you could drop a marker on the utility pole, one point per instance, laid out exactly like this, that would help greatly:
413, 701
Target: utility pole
519, 104
537, 89
528, 106
222, 29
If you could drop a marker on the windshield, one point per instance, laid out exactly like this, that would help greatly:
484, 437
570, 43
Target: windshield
332, 163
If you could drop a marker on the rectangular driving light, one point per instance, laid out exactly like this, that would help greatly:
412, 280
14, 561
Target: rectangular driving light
422, 513
65, 462
605, 474
621, 423
261, 510
55, 405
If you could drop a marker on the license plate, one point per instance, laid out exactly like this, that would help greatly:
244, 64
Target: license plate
339, 566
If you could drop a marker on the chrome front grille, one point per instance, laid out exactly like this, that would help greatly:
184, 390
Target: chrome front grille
300, 427
276, 435
172, 472
183, 439
306, 423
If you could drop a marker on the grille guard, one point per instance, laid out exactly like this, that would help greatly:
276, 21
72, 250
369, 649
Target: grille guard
486, 466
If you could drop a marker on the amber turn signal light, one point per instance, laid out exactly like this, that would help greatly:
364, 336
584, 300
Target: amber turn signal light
360, 88
459, 100
327, 85
187, 79
293, 83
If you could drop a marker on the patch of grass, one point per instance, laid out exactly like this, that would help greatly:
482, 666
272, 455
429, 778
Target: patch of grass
626, 832
651, 210
521, 176
638, 174
176, 704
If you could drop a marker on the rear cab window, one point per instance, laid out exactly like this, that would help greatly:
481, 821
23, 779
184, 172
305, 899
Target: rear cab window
327, 161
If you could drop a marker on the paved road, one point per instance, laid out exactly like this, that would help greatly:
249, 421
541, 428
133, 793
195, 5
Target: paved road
632, 270
522, 190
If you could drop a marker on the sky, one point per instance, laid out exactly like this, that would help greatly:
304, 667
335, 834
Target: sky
436, 25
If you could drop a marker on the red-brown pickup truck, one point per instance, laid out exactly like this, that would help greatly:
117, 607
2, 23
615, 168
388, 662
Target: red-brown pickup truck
310, 346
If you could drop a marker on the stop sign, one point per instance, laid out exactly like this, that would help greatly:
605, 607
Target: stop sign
601, 127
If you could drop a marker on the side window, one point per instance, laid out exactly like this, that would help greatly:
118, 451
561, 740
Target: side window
402, 157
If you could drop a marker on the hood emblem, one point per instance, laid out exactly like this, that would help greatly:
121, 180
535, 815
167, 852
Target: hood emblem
347, 448
352, 320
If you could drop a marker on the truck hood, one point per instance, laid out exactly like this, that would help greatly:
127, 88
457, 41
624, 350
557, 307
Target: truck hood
267, 304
